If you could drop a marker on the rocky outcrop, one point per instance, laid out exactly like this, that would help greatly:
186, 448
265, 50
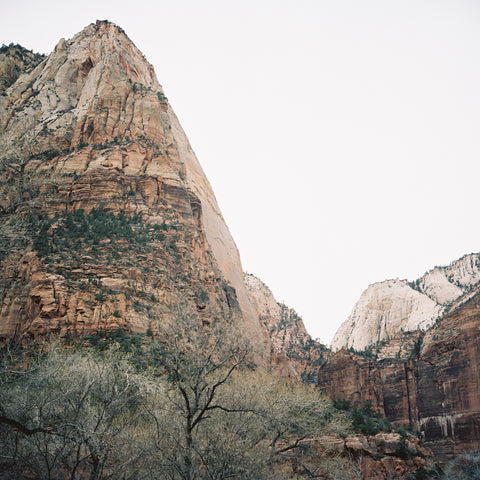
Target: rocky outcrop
90, 130
291, 348
388, 308
376, 457
15, 60
435, 390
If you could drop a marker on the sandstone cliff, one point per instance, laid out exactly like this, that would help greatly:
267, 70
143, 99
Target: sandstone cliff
434, 388
388, 308
291, 347
108, 220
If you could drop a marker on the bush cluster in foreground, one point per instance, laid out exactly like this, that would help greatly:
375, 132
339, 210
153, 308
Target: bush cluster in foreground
184, 407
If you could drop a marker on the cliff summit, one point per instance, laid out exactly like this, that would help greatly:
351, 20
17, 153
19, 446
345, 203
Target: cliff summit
108, 220
387, 308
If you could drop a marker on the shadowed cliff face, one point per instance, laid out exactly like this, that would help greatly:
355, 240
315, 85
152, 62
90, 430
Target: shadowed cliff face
89, 128
435, 391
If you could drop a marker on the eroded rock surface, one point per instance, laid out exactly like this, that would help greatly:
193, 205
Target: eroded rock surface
376, 457
435, 390
15, 60
89, 128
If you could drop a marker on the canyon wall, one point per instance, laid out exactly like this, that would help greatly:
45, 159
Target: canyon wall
107, 220
434, 388
292, 350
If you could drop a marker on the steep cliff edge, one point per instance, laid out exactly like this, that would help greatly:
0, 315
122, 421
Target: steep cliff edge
387, 308
292, 349
107, 217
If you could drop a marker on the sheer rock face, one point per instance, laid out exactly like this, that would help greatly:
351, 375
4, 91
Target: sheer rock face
93, 116
383, 310
387, 308
436, 390
291, 347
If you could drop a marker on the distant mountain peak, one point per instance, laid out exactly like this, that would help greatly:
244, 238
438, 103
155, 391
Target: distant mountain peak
92, 126
387, 308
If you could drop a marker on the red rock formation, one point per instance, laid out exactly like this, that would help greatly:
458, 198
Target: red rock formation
89, 128
376, 457
436, 392
449, 381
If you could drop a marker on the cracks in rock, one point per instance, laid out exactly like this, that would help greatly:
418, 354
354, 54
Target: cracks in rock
90, 128
56, 297
411, 415
85, 68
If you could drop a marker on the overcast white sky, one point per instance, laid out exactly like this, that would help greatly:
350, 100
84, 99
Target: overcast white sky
341, 137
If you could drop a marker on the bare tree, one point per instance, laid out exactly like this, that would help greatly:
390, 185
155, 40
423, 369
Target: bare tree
289, 417
196, 361
72, 415
201, 412
214, 418
464, 466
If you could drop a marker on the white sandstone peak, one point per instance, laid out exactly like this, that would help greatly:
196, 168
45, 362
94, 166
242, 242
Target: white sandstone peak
389, 307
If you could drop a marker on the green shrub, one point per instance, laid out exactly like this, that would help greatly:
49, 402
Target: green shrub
364, 419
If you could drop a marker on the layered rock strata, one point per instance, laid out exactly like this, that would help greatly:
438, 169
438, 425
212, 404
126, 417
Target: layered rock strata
90, 130
435, 390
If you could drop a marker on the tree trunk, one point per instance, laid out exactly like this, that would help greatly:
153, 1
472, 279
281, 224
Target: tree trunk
188, 467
